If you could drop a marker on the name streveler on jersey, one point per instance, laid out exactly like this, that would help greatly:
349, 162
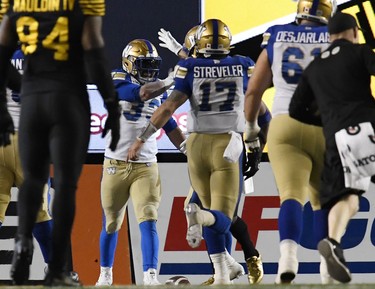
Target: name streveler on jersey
198, 78
218, 71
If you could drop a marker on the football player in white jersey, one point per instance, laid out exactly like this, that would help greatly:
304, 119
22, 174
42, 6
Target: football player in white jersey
140, 93
11, 171
295, 150
213, 83
251, 162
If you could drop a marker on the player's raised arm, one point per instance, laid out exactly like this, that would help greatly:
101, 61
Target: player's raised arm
93, 45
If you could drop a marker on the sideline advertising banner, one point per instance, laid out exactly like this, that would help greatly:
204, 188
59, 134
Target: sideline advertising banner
7, 233
260, 211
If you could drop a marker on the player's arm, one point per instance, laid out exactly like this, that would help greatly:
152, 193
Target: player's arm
169, 42
260, 80
8, 40
264, 119
252, 159
158, 120
177, 137
167, 108
153, 89
96, 63
14, 81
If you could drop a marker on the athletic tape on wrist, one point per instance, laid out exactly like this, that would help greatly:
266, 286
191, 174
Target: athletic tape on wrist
148, 131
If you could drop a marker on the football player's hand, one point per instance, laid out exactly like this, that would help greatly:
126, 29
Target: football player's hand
251, 137
169, 80
183, 147
133, 150
6, 125
168, 41
252, 163
113, 124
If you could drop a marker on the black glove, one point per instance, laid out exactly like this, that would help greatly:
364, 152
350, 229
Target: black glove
113, 123
6, 125
251, 164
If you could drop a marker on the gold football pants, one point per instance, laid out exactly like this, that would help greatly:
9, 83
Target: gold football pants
296, 154
122, 180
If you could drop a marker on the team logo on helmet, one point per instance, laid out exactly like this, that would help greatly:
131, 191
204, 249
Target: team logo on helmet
353, 130
372, 138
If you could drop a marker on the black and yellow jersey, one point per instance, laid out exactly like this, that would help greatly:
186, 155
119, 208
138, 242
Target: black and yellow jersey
50, 33
4, 5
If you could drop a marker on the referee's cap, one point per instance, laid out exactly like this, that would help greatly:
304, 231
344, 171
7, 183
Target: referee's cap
341, 22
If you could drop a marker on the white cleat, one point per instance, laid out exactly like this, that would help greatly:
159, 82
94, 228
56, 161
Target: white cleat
150, 278
105, 277
194, 220
288, 267
235, 271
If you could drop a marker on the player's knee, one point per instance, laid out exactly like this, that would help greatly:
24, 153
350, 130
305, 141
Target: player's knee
315, 205
149, 212
295, 197
113, 225
353, 203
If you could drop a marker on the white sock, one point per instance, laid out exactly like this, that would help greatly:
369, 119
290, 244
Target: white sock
221, 268
229, 259
106, 269
288, 248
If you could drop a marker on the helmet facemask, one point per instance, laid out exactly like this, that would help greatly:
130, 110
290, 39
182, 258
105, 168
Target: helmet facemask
147, 68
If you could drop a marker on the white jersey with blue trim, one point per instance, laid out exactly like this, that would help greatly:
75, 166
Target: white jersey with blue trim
13, 97
216, 92
135, 114
290, 49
